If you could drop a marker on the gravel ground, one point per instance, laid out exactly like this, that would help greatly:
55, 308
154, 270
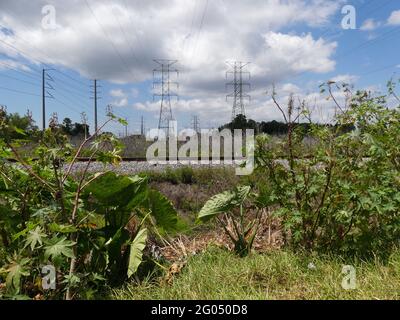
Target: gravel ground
137, 167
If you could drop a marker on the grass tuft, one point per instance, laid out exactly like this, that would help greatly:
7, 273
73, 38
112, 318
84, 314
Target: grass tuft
218, 274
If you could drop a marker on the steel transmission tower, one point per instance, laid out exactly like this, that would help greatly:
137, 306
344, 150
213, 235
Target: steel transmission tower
162, 82
196, 124
109, 111
239, 87
142, 127
84, 120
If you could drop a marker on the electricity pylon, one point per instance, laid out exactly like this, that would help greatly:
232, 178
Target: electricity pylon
142, 127
84, 120
239, 87
162, 82
196, 124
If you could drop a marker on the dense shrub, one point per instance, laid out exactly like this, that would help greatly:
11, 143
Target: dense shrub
344, 196
91, 228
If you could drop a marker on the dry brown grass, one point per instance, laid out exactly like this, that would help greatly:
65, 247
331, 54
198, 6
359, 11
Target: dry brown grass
181, 248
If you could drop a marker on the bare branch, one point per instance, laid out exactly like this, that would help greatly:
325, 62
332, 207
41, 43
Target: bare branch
78, 153
273, 96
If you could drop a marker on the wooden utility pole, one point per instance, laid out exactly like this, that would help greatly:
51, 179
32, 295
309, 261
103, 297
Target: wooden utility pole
44, 99
126, 128
45, 85
95, 106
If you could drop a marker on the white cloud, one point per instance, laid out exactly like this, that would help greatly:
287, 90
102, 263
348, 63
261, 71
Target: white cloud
117, 93
394, 18
120, 103
157, 28
121, 98
135, 93
231, 30
217, 110
345, 78
370, 25
7, 63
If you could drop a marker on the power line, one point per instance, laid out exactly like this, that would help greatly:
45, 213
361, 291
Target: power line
380, 7
200, 27
27, 82
354, 49
43, 53
108, 37
23, 72
126, 38
383, 36
71, 78
22, 92
191, 26
71, 91
132, 24
67, 105
380, 69
21, 52
70, 100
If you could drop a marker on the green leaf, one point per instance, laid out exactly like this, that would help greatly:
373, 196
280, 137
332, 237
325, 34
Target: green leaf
163, 211
115, 190
20, 131
62, 228
114, 244
123, 122
57, 247
34, 237
15, 271
22, 233
136, 252
223, 203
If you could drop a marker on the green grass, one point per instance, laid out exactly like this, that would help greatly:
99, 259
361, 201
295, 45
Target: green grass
218, 274
202, 176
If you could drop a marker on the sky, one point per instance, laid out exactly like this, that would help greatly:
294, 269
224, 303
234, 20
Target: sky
294, 45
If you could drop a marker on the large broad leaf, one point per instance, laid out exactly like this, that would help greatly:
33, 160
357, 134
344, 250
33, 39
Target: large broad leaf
115, 244
115, 190
163, 211
136, 252
223, 202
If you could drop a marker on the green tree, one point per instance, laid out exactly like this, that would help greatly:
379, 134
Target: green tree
67, 126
